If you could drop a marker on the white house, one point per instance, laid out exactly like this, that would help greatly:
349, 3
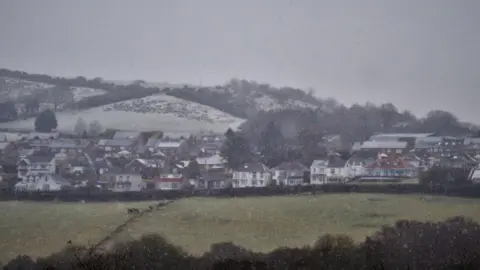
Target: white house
124, 181
36, 164
289, 173
169, 182
332, 170
251, 175
46, 182
318, 171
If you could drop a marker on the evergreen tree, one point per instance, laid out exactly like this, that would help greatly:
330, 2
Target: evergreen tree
193, 169
272, 145
308, 142
236, 150
80, 127
46, 121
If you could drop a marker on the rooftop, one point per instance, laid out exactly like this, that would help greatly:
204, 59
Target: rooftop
384, 144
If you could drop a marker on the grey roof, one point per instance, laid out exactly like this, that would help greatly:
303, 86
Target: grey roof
319, 163
116, 142
396, 136
68, 143
40, 157
42, 135
126, 135
291, 166
384, 144
253, 167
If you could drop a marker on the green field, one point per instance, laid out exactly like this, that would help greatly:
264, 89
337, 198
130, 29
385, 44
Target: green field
259, 223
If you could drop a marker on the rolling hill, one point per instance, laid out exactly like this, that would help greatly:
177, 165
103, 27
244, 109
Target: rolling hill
188, 108
156, 112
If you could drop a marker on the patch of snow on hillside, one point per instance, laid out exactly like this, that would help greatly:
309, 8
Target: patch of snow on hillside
268, 103
130, 121
15, 88
162, 104
80, 93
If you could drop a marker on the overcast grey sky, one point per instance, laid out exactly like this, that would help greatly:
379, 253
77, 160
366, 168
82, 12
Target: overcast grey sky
417, 54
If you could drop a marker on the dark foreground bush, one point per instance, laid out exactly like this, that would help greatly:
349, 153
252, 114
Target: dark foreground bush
451, 244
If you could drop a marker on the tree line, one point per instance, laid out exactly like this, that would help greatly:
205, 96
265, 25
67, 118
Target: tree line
272, 147
408, 244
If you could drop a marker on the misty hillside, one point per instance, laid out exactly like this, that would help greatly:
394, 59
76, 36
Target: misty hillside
226, 105
117, 106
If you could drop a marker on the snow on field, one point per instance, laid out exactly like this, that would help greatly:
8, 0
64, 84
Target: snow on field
16, 88
162, 104
267, 103
80, 93
158, 112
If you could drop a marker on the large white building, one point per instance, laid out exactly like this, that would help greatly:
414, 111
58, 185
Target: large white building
251, 175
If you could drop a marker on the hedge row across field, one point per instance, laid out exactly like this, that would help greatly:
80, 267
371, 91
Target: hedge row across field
89, 195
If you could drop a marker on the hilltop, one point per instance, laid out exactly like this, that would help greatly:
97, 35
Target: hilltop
188, 108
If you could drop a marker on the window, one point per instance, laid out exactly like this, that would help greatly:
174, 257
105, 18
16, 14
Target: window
332, 170
261, 182
254, 182
254, 175
261, 175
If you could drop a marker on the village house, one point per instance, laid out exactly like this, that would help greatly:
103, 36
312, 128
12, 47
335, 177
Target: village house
213, 179
211, 162
148, 168
461, 160
63, 145
290, 174
114, 146
251, 174
318, 172
42, 136
121, 180
388, 147
169, 182
40, 163
332, 170
388, 168
336, 171
46, 182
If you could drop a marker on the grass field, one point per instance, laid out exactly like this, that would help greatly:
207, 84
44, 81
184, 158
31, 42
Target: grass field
39, 229
259, 223
264, 223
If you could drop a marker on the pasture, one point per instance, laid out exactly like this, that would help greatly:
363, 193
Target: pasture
265, 223
258, 223
41, 228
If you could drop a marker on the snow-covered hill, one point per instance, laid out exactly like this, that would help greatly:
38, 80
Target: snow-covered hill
15, 89
157, 112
